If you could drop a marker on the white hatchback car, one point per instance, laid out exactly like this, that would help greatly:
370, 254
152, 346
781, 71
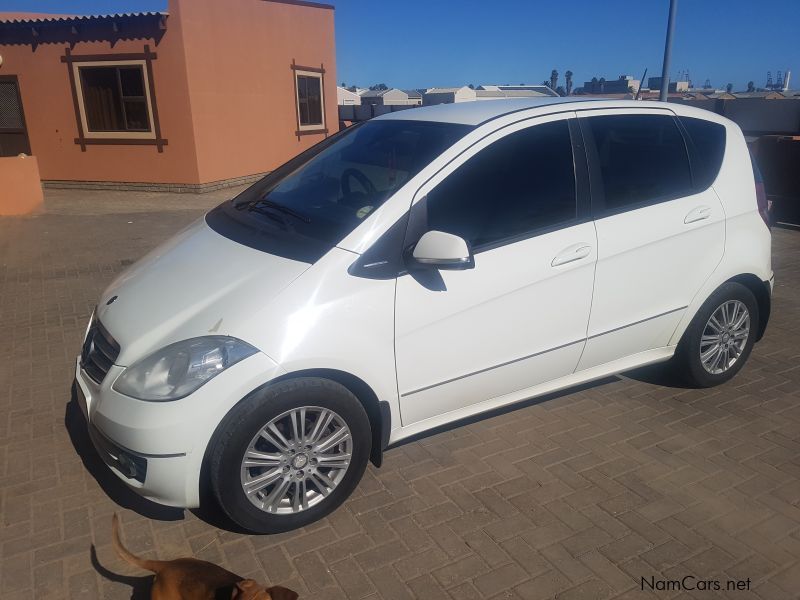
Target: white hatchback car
412, 271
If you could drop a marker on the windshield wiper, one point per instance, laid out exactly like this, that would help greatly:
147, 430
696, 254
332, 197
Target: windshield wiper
256, 205
270, 214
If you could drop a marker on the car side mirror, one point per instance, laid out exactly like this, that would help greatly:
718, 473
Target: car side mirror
440, 250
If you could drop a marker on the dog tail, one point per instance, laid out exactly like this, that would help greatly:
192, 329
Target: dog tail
142, 563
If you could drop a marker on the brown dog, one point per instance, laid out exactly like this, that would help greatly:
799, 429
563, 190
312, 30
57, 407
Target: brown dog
192, 579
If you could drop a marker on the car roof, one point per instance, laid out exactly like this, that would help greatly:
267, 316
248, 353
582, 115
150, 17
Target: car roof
478, 112
474, 113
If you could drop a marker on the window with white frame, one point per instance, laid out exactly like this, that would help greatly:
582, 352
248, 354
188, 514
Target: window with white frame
114, 99
310, 101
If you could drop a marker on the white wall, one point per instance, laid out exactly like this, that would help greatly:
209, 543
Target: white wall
346, 97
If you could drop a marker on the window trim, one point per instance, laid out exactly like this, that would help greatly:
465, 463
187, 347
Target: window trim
318, 73
135, 134
598, 201
418, 210
85, 137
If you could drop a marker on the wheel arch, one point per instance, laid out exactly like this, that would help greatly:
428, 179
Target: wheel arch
378, 413
761, 291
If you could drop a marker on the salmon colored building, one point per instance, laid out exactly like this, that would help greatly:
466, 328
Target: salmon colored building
203, 95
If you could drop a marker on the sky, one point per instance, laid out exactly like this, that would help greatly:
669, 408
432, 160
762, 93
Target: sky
426, 43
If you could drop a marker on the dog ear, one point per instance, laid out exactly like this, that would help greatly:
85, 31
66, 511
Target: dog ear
247, 589
281, 593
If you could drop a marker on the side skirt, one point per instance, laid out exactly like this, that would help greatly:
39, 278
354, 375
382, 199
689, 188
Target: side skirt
597, 372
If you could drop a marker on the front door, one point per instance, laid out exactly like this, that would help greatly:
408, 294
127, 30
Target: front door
519, 317
13, 133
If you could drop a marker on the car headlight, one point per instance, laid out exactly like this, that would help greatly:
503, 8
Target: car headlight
179, 369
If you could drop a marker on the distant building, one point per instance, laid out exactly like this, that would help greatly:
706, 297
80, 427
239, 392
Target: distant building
390, 97
505, 94
625, 84
768, 95
484, 92
345, 97
448, 95
654, 83
541, 90
414, 96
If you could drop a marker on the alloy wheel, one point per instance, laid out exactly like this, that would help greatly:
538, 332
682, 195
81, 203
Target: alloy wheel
296, 460
724, 337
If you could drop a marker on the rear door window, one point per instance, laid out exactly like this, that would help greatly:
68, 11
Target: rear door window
638, 160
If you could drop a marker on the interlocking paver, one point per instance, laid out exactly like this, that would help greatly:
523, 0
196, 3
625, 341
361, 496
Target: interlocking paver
580, 495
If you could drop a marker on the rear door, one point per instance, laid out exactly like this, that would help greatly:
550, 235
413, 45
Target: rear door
13, 133
660, 234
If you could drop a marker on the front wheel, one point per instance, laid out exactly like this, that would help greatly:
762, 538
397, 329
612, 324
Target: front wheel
720, 338
290, 454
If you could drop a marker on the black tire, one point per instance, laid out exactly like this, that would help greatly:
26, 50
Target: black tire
688, 365
256, 411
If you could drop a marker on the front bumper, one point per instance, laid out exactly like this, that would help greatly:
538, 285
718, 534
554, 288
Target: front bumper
157, 448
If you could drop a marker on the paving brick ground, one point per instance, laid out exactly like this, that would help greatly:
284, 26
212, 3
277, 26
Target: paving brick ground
577, 496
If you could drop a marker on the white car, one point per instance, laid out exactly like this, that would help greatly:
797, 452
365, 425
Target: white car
415, 270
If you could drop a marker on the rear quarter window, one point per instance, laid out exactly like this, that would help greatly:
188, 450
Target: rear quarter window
706, 146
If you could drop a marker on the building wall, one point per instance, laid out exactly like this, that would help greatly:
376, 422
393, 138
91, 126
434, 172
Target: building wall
465, 94
241, 86
225, 94
52, 128
392, 97
345, 97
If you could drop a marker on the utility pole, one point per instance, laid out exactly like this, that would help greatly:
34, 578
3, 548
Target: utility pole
673, 7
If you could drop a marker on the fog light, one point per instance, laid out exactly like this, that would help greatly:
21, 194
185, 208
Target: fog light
131, 466
127, 465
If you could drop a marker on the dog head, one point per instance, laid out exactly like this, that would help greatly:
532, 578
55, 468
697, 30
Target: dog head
251, 590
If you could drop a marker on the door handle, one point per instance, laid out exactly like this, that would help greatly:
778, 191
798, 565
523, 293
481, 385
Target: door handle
571, 254
698, 214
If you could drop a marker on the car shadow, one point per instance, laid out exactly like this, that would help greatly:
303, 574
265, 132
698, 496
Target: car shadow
211, 513
140, 586
75, 424
658, 374
482, 416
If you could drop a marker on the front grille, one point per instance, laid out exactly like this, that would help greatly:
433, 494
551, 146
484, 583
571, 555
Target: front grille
99, 352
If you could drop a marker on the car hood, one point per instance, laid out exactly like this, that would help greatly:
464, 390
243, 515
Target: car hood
197, 283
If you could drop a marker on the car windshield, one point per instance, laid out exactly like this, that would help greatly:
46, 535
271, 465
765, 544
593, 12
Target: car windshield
326, 192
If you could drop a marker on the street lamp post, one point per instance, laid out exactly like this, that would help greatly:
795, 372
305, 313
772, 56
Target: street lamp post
673, 7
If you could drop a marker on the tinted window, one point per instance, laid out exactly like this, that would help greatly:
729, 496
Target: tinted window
642, 159
706, 148
323, 194
519, 184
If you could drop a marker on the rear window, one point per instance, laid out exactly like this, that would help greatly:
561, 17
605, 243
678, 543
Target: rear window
706, 148
642, 160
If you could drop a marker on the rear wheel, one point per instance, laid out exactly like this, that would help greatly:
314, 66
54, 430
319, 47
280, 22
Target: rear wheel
720, 338
290, 454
